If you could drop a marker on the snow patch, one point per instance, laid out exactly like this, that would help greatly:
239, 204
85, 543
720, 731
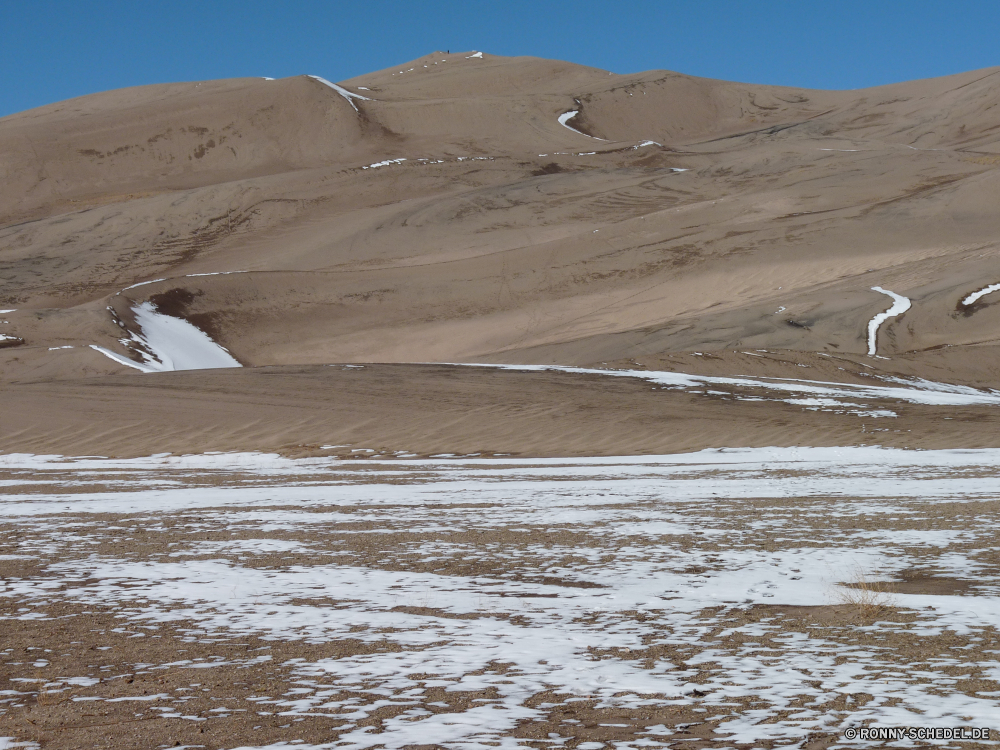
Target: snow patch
177, 344
123, 360
475, 55
967, 301
565, 117
10, 743
900, 305
385, 163
168, 343
842, 397
350, 96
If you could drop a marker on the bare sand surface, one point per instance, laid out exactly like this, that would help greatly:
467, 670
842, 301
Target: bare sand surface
428, 409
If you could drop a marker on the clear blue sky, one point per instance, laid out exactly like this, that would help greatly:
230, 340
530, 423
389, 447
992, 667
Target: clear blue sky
52, 50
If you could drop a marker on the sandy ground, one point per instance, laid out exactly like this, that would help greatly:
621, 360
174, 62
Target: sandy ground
754, 599
427, 409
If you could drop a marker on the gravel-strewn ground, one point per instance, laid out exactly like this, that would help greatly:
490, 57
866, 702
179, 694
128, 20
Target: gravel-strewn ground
227, 602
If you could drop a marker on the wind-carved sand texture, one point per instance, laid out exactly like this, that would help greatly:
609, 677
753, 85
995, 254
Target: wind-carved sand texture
499, 402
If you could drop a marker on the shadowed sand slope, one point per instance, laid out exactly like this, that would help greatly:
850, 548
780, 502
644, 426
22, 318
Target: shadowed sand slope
463, 208
429, 409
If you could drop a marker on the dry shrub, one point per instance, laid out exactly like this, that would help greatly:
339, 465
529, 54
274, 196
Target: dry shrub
870, 597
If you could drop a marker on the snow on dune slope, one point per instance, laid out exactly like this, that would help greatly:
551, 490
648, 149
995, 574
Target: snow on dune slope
179, 345
900, 305
975, 296
565, 117
348, 95
817, 395
169, 343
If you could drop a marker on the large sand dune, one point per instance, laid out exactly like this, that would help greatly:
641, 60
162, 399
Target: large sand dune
450, 210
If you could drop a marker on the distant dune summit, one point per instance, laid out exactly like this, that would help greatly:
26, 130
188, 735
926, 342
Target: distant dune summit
472, 208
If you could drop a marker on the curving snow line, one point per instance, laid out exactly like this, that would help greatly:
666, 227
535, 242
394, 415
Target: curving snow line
123, 360
348, 95
968, 300
567, 116
828, 396
900, 305
141, 283
2, 312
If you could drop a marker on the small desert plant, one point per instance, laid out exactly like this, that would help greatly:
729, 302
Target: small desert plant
870, 597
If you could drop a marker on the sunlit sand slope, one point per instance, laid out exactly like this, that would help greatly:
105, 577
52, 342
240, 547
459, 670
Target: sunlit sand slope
453, 209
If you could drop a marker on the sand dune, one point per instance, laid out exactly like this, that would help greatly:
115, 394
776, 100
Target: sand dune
439, 211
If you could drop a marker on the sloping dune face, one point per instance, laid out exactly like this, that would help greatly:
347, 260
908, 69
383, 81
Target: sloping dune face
472, 208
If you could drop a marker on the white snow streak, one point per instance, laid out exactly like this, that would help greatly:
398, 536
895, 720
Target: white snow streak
968, 300
565, 117
900, 305
385, 163
348, 95
812, 394
9, 743
123, 360
474, 56
141, 283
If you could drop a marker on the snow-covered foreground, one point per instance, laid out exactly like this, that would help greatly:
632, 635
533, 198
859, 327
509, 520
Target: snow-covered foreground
503, 602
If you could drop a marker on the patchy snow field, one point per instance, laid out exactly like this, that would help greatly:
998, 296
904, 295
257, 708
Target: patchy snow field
865, 400
497, 602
